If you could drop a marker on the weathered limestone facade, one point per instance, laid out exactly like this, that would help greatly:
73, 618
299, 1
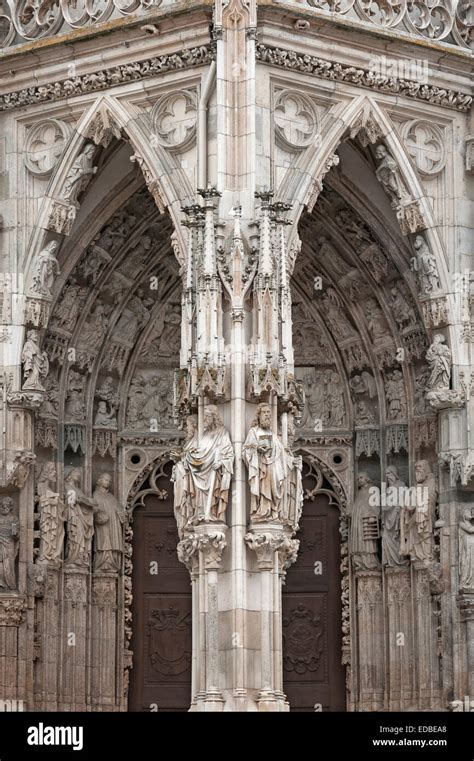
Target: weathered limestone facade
236, 326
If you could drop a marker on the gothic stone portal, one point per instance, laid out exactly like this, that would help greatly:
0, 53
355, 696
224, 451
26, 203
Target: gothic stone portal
312, 617
161, 644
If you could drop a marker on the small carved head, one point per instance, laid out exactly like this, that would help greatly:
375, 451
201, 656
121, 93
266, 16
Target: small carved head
363, 479
380, 152
422, 470
104, 480
264, 415
391, 474
6, 506
212, 419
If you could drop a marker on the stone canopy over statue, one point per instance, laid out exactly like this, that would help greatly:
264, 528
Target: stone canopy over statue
203, 472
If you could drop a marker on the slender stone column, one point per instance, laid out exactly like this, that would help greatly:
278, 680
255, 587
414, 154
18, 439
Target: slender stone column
370, 639
103, 641
399, 638
466, 607
47, 625
266, 540
74, 640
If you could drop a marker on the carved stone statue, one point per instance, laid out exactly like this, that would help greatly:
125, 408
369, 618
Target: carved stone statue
210, 467
364, 528
419, 516
80, 174
35, 362
75, 407
80, 522
363, 415
425, 267
335, 316
183, 509
403, 313
466, 550
8, 544
47, 268
109, 518
439, 361
388, 174
105, 417
293, 501
52, 516
391, 508
264, 455
396, 398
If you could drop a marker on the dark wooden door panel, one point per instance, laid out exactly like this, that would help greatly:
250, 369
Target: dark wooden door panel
162, 611
312, 617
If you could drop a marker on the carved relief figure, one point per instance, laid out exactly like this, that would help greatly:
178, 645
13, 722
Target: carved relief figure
80, 174
210, 466
74, 407
388, 174
376, 322
264, 455
35, 362
335, 316
402, 311
150, 402
324, 399
363, 415
69, 306
421, 381
466, 550
105, 417
183, 509
425, 267
47, 268
94, 329
439, 361
8, 544
52, 516
396, 398
80, 522
109, 518
364, 526
391, 508
363, 384
418, 519
135, 315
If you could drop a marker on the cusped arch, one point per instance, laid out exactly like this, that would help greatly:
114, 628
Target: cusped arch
170, 189
315, 163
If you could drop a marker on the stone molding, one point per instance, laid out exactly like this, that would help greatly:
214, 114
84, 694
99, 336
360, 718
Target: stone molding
318, 67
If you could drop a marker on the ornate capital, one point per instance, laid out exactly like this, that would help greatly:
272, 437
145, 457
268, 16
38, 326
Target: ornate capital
208, 540
269, 539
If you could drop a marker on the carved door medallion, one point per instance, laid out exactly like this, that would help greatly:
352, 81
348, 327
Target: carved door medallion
312, 614
161, 675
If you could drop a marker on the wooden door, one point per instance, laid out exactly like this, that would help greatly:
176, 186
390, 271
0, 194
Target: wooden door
312, 613
161, 643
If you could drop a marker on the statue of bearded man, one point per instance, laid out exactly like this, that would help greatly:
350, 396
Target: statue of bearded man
265, 457
210, 464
